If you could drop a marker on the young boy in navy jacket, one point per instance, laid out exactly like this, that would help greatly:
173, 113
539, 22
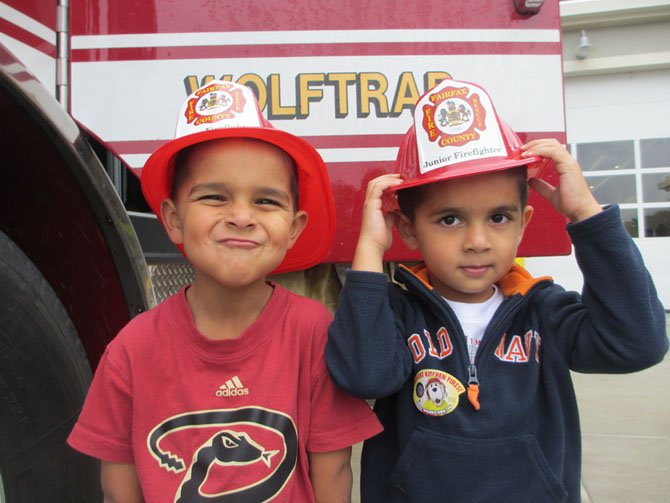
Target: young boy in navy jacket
468, 356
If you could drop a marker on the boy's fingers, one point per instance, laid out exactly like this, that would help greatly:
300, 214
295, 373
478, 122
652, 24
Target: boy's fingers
543, 142
542, 187
378, 185
550, 149
385, 178
388, 179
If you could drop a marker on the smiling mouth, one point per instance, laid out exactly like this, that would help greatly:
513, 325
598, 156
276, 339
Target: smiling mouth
239, 243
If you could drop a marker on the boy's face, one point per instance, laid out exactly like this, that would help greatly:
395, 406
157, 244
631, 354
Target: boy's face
234, 211
468, 230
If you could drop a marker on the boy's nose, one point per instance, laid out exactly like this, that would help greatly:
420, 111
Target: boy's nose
476, 238
240, 215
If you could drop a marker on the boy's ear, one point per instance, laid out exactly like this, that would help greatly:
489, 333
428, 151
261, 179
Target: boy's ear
171, 221
526, 216
297, 226
406, 230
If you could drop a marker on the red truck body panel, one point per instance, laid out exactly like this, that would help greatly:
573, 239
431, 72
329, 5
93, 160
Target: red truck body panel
342, 75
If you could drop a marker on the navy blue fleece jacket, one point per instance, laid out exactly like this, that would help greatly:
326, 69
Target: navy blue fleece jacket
404, 347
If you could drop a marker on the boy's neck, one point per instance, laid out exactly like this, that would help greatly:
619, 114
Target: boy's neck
221, 312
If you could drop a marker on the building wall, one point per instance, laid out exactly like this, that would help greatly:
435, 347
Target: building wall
618, 122
628, 110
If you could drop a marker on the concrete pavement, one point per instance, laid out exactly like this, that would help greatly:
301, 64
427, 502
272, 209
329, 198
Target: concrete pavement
625, 436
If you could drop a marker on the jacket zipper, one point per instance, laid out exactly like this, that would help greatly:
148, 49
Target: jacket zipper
473, 386
473, 378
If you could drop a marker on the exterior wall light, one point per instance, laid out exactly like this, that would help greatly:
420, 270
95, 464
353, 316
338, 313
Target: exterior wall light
584, 46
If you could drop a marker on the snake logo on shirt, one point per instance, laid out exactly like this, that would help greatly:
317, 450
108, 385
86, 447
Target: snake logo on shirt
243, 455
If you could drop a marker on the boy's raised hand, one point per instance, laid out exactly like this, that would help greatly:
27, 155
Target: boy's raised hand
572, 198
376, 233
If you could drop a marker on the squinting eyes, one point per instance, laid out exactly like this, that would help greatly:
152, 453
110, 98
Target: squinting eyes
267, 201
220, 199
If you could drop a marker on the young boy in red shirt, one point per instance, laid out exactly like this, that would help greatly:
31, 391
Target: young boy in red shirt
221, 392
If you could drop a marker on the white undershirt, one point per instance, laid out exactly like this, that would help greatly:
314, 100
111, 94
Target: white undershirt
475, 317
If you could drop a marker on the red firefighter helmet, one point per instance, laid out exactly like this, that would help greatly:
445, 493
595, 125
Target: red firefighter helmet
456, 132
229, 110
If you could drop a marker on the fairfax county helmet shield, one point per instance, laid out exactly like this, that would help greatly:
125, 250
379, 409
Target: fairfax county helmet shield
456, 122
218, 105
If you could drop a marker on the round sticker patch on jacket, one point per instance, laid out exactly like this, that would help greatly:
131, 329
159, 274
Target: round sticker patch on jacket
435, 392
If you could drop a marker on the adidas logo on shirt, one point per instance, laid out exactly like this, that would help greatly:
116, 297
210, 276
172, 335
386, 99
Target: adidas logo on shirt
232, 387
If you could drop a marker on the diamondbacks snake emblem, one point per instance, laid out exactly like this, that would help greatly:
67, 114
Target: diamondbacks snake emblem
231, 446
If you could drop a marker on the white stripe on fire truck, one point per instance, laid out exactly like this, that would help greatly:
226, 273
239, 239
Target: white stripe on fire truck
328, 154
28, 24
344, 155
310, 37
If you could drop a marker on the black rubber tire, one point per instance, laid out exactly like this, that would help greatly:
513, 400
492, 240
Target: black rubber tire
44, 376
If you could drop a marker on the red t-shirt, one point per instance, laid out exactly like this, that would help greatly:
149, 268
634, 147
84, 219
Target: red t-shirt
202, 418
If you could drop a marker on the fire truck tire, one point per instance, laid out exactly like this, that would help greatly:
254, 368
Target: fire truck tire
44, 376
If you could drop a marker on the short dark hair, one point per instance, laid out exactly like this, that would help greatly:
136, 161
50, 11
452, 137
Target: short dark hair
411, 198
183, 157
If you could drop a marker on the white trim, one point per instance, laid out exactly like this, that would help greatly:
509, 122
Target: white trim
604, 7
590, 13
608, 172
358, 154
309, 37
617, 64
27, 23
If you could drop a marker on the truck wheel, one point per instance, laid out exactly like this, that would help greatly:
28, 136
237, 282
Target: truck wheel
44, 375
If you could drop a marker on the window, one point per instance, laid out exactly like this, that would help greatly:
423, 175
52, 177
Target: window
657, 222
635, 174
630, 222
605, 156
655, 187
613, 189
655, 153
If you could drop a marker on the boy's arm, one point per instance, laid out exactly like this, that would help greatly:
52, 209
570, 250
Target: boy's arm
120, 483
366, 356
618, 323
331, 477
376, 233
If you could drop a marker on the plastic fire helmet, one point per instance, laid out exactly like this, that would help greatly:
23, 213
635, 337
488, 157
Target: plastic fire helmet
228, 110
456, 132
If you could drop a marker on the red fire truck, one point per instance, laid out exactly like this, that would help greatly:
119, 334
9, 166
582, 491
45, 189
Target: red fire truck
89, 88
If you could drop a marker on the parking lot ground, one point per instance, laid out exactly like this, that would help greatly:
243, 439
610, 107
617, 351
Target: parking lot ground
626, 435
